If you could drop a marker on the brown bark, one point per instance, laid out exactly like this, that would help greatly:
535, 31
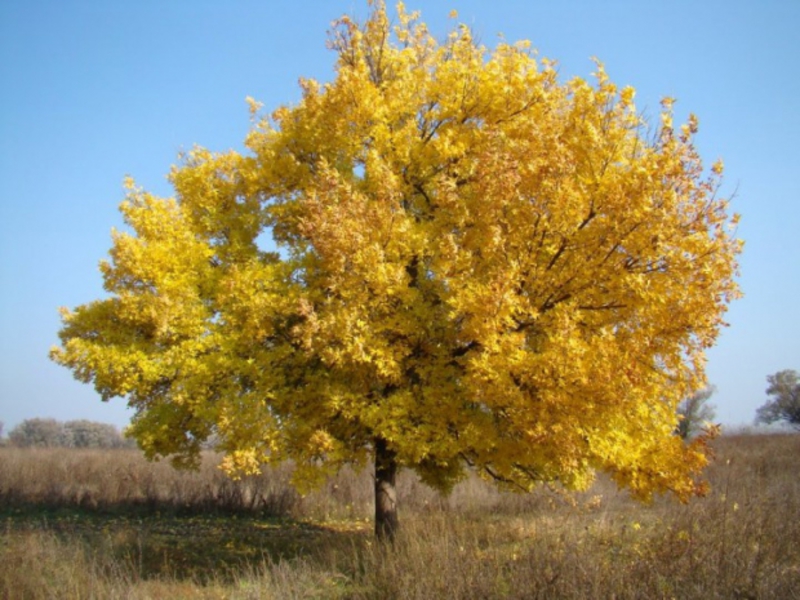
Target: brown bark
386, 523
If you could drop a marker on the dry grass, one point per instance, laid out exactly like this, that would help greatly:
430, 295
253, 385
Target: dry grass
92, 524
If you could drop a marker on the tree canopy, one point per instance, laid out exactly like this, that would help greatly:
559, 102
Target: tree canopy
695, 413
784, 404
475, 264
79, 433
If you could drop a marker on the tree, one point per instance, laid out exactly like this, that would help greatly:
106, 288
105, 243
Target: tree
89, 434
72, 434
47, 433
477, 266
784, 387
694, 412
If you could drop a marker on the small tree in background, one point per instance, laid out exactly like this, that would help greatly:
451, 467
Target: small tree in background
784, 388
47, 433
90, 434
81, 433
694, 412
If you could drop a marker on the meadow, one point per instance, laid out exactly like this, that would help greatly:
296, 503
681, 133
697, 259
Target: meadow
108, 524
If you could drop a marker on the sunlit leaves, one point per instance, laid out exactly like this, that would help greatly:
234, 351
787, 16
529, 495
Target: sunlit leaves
477, 263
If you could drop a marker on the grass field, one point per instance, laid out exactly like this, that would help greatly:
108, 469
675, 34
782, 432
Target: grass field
107, 524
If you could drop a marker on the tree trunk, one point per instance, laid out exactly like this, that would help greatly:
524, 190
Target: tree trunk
385, 491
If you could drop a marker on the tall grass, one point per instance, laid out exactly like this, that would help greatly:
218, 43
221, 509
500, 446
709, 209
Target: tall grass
121, 479
84, 524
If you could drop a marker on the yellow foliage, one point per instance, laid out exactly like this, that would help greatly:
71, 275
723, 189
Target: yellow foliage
477, 263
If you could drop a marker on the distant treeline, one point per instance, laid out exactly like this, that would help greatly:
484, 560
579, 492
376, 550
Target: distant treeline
50, 433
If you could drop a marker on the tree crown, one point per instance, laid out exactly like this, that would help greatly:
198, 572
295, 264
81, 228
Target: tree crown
784, 404
476, 264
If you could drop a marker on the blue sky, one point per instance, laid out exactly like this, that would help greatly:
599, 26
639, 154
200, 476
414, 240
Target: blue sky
91, 91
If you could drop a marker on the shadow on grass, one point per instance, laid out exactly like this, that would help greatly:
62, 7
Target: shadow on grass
201, 547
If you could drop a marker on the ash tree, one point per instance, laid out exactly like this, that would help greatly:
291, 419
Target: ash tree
477, 266
784, 404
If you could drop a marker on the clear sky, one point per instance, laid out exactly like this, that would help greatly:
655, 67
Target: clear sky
91, 91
